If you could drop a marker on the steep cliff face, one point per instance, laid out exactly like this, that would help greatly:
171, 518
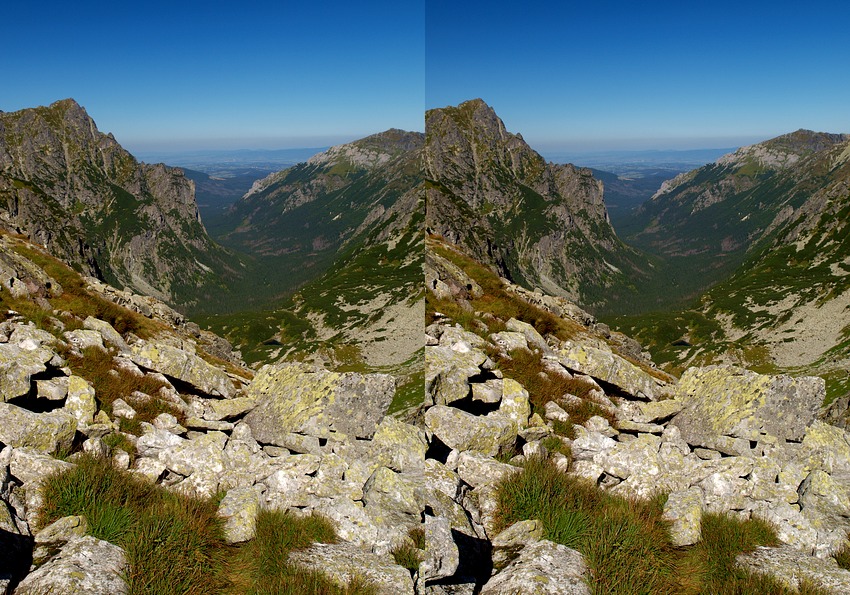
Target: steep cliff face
79, 193
541, 224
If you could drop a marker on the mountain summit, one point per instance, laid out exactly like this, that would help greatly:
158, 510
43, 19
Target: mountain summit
539, 223
79, 193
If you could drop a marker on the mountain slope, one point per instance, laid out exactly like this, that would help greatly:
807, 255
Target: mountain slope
539, 223
338, 240
79, 193
710, 218
787, 306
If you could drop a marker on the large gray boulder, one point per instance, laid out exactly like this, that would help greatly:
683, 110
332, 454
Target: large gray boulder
17, 365
85, 565
728, 408
542, 568
609, 368
184, 366
448, 369
46, 433
488, 434
296, 398
790, 566
343, 562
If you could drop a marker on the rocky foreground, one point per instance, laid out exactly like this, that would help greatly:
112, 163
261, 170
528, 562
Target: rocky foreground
303, 439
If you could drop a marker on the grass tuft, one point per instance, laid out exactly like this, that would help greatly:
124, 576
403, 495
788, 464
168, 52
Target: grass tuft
261, 566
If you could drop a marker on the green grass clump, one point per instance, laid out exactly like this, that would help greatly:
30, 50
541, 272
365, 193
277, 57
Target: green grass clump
261, 566
626, 543
842, 556
174, 543
409, 554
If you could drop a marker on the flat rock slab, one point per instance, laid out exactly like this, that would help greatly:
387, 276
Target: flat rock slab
609, 368
726, 401
301, 399
184, 366
790, 565
343, 562
542, 568
85, 565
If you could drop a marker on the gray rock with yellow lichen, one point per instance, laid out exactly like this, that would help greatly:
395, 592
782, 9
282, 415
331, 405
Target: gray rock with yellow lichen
302, 399
542, 568
184, 366
722, 402
343, 562
85, 565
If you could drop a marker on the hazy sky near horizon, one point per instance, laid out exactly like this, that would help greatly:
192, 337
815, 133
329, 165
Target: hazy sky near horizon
636, 75
569, 76
193, 75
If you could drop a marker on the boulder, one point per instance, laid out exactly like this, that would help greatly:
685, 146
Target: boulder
85, 565
488, 434
305, 400
17, 366
608, 367
80, 401
789, 566
684, 512
342, 562
441, 552
542, 568
448, 369
109, 334
46, 433
723, 404
239, 509
185, 367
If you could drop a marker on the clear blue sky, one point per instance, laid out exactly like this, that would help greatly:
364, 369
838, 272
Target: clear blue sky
567, 75
603, 75
188, 74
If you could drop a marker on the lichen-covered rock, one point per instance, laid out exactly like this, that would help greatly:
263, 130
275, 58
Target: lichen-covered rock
184, 366
609, 368
80, 401
84, 338
530, 333
448, 369
399, 446
218, 410
725, 401
508, 543
107, 332
441, 552
17, 367
684, 512
790, 566
541, 568
477, 469
85, 565
305, 400
46, 433
489, 434
342, 562
239, 509
515, 404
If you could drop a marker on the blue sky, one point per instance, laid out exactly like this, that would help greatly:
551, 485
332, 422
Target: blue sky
572, 76
187, 74
635, 75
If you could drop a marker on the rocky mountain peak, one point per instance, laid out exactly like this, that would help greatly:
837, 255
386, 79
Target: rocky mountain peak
372, 151
783, 151
76, 191
538, 223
